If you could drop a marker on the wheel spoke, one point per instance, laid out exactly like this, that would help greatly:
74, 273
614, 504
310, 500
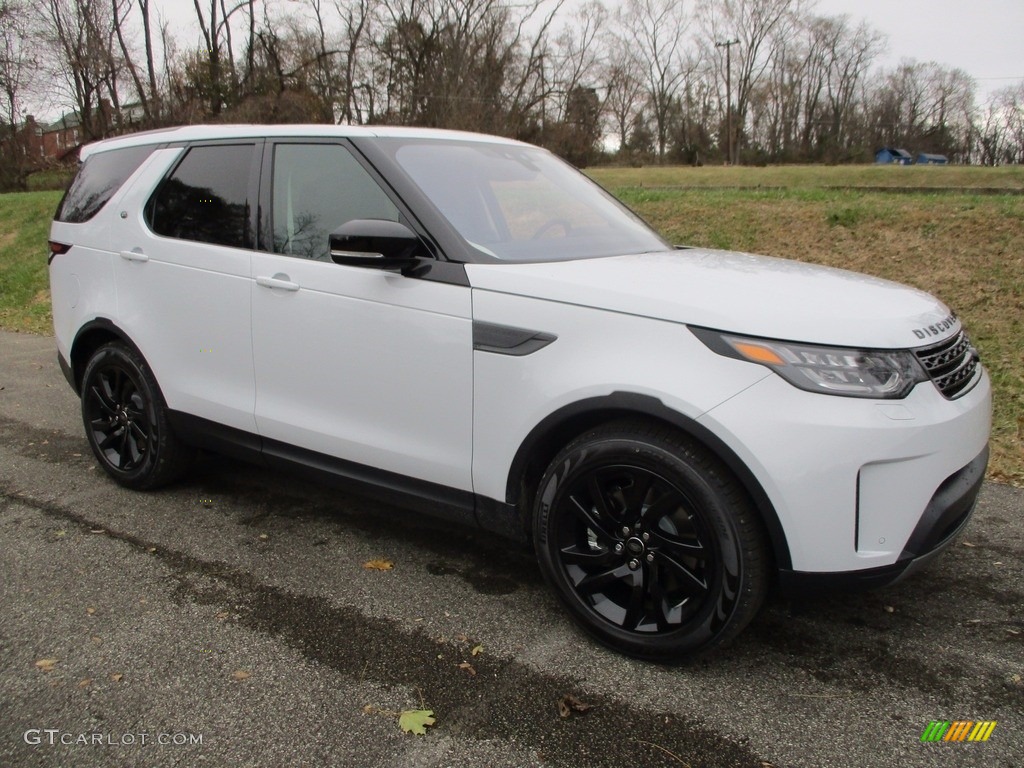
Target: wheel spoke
586, 558
679, 548
595, 582
590, 520
99, 395
138, 433
689, 581
597, 496
635, 495
636, 607
102, 424
123, 452
110, 438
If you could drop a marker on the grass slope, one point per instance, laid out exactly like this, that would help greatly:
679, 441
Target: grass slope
24, 287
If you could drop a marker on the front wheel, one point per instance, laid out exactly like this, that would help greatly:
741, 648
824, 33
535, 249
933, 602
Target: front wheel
126, 420
649, 541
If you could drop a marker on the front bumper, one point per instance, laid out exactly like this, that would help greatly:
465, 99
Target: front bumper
859, 485
946, 516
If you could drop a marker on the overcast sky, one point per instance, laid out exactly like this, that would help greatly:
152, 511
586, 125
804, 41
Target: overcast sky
983, 37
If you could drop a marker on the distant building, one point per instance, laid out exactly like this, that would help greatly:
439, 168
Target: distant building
924, 158
891, 156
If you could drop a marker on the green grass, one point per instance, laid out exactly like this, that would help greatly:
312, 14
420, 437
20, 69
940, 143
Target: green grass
965, 248
24, 287
815, 176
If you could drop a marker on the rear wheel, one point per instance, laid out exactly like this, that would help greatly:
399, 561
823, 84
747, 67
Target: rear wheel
126, 420
649, 541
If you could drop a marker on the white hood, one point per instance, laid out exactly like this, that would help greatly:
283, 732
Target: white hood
738, 292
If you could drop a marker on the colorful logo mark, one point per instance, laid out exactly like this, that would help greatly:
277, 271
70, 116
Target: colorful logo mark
958, 730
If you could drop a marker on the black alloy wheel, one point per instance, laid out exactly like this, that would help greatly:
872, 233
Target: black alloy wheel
126, 422
649, 541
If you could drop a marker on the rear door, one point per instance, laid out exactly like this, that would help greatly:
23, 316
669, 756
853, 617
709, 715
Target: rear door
367, 367
186, 233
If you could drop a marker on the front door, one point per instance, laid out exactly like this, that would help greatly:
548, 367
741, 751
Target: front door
358, 364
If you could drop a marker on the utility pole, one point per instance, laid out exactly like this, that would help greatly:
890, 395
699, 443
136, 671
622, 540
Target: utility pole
728, 44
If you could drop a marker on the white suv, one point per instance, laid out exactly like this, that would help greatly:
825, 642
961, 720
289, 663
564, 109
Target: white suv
470, 325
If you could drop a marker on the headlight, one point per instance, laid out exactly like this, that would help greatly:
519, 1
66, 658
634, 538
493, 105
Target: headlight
872, 373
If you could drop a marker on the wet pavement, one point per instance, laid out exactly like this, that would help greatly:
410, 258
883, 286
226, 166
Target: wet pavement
228, 620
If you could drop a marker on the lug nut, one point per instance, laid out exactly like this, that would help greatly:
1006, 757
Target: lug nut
650, 557
625, 530
646, 537
618, 548
634, 564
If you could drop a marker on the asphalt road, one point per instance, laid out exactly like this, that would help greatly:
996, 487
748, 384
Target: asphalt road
152, 606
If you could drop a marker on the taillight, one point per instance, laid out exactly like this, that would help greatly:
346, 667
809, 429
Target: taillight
56, 249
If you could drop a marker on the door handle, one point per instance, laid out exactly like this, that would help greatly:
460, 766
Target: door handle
279, 281
134, 255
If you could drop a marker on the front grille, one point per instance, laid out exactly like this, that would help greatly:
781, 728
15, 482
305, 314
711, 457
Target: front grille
951, 364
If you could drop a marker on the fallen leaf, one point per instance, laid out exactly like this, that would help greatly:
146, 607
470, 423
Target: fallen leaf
96, 530
968, 544
263, 537
223, 615
151, 550
61, 533
477, 650
416, 721
468, 667
378, 565
998, 562
84, 682
241, 674
569, 704
368, 709
462, 638
90, 610
47, 664
116, 677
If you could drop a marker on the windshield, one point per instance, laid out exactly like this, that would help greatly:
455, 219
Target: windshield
521, 203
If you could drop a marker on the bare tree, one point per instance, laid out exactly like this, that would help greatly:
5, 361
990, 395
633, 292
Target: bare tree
655, 30
79, 36
760, 26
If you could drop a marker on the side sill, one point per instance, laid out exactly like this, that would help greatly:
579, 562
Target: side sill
431, 498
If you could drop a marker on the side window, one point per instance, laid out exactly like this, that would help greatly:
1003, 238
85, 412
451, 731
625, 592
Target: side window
316, 189
100, 176
206, 197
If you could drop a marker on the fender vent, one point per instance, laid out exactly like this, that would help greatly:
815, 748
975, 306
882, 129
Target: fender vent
952, 364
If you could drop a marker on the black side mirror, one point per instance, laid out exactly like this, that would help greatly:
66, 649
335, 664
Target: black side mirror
374, 243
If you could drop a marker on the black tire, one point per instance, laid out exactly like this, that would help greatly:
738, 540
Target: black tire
649, 541
125, 419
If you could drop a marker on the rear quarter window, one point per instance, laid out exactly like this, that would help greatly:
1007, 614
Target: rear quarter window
99, 177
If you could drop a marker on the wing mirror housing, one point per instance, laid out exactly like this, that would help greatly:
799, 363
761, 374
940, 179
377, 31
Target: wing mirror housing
374, 243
